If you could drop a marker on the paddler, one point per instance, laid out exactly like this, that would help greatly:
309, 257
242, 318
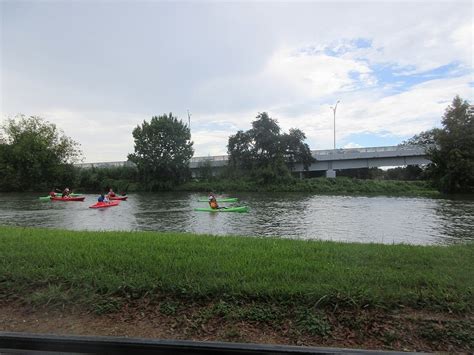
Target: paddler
111, 193
66, 192
103, 199
212, 201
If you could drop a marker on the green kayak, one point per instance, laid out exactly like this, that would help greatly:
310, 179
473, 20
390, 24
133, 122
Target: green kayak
229, 199
47, 198
230, 209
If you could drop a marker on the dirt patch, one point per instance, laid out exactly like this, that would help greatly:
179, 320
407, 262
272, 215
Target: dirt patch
405, 330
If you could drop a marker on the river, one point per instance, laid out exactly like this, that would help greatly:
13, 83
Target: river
380, 219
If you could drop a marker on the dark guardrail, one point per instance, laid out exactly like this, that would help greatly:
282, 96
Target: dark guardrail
25, 343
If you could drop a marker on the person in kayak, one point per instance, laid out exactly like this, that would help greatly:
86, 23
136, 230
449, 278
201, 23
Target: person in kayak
103, 199
111, 193
66, 192
212, 201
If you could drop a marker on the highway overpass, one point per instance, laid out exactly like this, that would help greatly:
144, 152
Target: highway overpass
332, 160
328, 161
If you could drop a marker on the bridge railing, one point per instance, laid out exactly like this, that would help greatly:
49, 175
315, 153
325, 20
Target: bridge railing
194, 161
328, 152
369, 150
209, 158
109, 164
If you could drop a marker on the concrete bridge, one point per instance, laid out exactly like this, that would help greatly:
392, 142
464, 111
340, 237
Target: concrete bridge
328, 161
337, 159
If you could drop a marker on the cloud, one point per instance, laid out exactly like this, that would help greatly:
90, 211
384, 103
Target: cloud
101, 138
309, 75
402, 114
287, 77
395, 66
211, 142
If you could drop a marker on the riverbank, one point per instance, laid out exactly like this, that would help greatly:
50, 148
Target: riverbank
338, 186
228, 288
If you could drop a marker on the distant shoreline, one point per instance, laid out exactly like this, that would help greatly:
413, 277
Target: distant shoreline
323, 186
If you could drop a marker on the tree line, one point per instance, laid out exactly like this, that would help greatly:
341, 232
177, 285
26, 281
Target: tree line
450, 149
35, 155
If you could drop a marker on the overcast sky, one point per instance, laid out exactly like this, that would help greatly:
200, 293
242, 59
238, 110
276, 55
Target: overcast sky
97, 69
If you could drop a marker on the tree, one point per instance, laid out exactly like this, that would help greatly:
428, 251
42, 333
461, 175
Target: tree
266, 154
34, 154
163, 149
425, 138
265, 135
241, 151
294, 150
120, 178
205, 170
407, 173
452, 158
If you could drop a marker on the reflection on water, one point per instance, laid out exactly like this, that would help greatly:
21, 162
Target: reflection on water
293, 215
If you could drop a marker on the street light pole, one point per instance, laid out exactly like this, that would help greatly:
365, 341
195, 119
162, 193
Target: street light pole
334, 112
189, 121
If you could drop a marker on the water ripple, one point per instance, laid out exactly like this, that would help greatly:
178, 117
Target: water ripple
291, 215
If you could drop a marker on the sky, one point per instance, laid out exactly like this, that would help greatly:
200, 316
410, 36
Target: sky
97, 69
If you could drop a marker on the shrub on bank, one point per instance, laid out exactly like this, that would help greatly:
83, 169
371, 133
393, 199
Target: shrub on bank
340, 185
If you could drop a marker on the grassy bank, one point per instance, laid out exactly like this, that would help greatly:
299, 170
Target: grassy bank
186, 286
340, 185
46, 265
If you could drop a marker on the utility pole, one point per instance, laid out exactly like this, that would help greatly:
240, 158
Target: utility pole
189, 121
334, 112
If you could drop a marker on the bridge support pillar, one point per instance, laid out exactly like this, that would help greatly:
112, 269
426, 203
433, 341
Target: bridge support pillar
331, 173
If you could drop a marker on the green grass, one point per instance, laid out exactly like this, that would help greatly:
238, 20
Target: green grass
341, 185
45, 266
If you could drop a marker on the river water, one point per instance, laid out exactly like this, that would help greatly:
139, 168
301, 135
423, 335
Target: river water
378, 219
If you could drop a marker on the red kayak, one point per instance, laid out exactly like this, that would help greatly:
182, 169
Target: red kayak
68, 199
105, 204
119, 198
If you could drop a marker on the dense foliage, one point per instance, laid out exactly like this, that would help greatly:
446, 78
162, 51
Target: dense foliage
265, 154
34, 154
425, 138
403, 173
122, 179
340, 185
452, 158
163, 149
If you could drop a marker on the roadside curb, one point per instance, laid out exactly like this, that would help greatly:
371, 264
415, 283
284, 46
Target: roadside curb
19, 343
